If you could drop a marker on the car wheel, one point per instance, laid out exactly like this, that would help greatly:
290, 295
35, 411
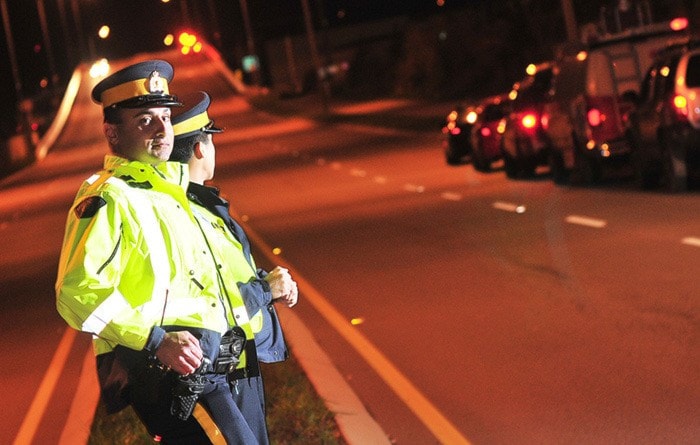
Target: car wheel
528, 168
510, 166
674, 175
480, 164
560, 175
451, 158
646, 172
586, 170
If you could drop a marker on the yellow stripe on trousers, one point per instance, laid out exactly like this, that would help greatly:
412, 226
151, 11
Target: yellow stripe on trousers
208, 425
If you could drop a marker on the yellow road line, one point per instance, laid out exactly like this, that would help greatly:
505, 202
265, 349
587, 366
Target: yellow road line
431, 417
41, 399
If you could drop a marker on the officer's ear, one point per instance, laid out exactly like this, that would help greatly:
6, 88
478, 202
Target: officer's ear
111, 133
198, 151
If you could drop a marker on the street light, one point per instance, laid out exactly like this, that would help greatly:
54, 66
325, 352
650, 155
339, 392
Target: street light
47, 43
103, 32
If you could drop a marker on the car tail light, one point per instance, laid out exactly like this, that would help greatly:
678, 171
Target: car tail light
529, 121
680, 106
679, 23
485, 132
455, 131
595, 117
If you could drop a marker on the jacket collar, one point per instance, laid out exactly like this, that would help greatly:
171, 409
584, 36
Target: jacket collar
141, 173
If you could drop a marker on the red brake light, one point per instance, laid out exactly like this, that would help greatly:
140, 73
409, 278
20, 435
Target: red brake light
485, 132
595, 117
529, 121
679, 23
455, 131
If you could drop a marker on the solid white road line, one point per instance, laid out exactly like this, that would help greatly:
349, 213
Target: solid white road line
82, 409
41, 399
419, 404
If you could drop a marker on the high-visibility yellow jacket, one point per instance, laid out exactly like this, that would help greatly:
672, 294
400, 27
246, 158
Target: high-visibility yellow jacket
239, 267
135, 262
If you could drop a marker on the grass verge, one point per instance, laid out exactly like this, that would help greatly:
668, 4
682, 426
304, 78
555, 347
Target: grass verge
295, 413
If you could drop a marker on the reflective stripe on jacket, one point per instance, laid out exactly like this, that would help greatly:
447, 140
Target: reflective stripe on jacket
134, 257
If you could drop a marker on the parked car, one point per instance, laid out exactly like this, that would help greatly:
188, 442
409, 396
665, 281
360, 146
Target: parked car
524, 145
457, 130
488, 130
665, 127
593, 95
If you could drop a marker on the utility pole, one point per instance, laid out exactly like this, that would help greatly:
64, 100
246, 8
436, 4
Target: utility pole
47, 43
321, 74
23, 106
185, 15
82, 50
570, 20
11, 50
69, 46
250, 43
215, 22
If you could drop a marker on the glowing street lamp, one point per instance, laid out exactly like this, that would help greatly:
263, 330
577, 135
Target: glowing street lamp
103, 32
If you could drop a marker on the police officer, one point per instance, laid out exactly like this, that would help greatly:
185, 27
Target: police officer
194, 145
138, 274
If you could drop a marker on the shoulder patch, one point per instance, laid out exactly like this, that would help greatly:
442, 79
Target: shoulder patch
89, 207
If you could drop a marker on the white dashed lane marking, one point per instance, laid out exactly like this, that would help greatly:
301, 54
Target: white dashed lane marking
509, 207
414, 188
691, 241
451, 196
586, 221
500, 205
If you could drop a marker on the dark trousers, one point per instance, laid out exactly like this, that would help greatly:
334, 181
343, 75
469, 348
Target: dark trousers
218, 400
249, 396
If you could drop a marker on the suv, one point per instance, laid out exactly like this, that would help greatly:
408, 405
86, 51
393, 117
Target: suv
594, 92
524, 144
665, 128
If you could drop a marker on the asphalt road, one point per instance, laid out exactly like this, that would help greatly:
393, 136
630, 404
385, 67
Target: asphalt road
461, 307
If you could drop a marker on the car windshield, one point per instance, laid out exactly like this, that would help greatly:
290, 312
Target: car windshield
693, 73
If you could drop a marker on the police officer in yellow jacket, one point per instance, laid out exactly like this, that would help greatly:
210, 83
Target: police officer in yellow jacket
138, 274
194, 145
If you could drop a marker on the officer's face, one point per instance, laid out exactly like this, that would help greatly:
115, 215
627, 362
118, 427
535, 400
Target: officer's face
143, 134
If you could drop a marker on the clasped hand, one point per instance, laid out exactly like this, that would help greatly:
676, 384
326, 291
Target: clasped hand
282, 286
181, 352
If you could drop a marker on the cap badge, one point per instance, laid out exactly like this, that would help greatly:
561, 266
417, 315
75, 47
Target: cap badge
155, 83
